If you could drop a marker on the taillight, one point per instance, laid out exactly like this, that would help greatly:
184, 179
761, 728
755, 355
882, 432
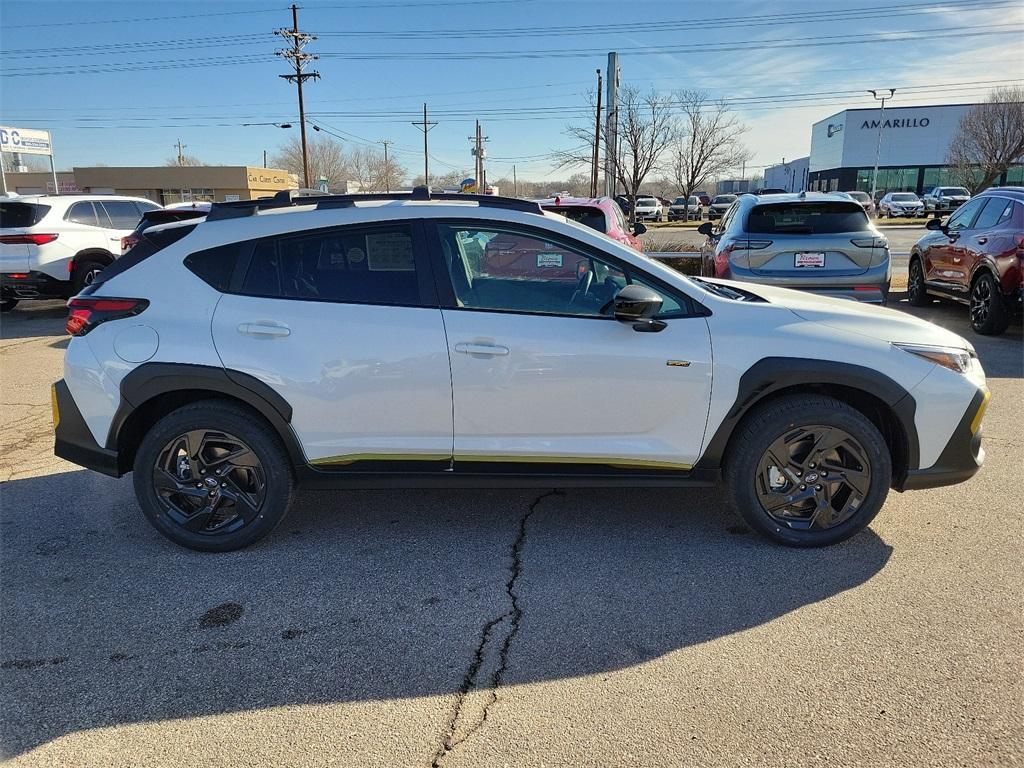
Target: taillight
870, 242
29, 239
85, 313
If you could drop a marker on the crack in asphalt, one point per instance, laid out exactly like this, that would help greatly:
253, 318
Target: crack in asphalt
514, 615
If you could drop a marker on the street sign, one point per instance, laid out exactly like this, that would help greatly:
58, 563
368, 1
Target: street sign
26, 141
322, 184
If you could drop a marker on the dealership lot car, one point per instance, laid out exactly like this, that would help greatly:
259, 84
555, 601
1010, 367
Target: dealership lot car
647, 208
895, 204
686, 209
719, 205
974, 258
944, 199
600, 213
818, 242
419, 340
51, 246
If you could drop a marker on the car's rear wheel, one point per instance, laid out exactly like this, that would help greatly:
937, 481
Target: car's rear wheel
6, 305
989, 314
211, 476
86, 273
917, 293
808, 471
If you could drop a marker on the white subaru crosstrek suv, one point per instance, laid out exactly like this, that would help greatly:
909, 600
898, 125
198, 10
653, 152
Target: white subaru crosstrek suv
51, 246
467, 341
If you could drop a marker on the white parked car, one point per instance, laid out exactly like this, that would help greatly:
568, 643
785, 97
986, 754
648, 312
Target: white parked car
647, 208
895, 204
469, 341
51, 246
944, 199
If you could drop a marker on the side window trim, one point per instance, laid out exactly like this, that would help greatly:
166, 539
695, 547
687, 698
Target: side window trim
446, 291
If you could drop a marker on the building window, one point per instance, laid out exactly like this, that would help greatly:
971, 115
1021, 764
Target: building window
1015, 176
193, 195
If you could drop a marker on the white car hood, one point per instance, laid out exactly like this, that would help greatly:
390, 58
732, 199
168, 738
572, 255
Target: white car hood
855, 317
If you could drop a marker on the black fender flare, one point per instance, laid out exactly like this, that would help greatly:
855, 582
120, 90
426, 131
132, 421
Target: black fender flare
151, 380
773, 374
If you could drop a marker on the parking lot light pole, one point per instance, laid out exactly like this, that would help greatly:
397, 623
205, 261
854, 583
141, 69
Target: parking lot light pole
878, 145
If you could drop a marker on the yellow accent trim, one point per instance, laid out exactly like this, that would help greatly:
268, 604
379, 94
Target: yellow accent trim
976, 421
678, 363
351, 458
609, 461
53, 405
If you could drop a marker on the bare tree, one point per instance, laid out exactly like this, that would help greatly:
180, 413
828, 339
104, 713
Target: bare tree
707, 143
327, 159
184, 160
450, 180
646, 130
990, 139
366, 166
32, 163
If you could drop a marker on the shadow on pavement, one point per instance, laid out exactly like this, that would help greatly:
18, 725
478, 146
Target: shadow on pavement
365, 596
42, 318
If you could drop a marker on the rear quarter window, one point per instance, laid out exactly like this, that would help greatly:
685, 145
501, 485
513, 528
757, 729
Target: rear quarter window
21, 215
152, 241
812, 218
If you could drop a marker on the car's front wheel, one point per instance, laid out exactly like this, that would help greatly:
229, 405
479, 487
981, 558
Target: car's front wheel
989, 314
212, 476
808, 471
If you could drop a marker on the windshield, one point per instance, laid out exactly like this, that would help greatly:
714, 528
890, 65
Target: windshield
904, 197
954, 191
724, 199
811, 218
680, 201
859, 196
646, 201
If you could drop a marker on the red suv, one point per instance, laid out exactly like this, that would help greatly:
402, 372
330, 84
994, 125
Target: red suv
974, 257
600, 213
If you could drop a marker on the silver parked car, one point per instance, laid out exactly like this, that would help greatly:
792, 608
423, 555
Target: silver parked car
895, 204
819, 242
719, 205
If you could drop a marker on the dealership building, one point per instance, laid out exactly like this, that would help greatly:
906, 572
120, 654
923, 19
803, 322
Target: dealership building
161, 184
912, 154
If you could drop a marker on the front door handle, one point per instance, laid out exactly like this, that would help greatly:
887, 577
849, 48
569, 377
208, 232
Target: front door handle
982, 240
264, 329
494, 350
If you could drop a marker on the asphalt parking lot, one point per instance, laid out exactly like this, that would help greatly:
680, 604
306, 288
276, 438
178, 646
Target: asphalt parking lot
629, 627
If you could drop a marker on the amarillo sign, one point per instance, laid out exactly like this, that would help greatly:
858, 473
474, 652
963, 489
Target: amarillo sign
907, 122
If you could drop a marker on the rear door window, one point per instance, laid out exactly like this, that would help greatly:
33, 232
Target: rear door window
123, 214
811, 218
21, 215
997, 211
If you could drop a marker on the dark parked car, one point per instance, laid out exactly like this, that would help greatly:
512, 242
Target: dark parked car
974, 257
160, 216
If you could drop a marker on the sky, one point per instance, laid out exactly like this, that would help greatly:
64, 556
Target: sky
119, 83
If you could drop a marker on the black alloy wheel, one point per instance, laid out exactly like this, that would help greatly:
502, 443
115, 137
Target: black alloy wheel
989, 314
813, 478
209, 482
917, 293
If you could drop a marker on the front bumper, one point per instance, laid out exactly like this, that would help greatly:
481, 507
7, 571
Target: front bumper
961, 458
73, 441
35, 285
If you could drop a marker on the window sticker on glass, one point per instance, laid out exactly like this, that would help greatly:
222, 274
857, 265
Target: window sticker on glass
389, 252
549, 260
806, 259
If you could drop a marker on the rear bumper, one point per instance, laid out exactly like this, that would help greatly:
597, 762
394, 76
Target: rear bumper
871, 286
35, 285
73, 441
961, 458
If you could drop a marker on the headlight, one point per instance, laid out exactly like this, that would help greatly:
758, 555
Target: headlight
958, 360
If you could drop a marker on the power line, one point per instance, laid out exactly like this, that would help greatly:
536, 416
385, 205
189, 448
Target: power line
81, 22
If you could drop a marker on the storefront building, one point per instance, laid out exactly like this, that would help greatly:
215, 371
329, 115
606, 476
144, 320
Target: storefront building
791, 176
161, 184
912, 152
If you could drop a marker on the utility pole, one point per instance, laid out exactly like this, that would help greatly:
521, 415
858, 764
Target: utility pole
387, 167
515, 182
611, 131
299, 59
597, 140
425, 126
878, 145
181, 154
264, 158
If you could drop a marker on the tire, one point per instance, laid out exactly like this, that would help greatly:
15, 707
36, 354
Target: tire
989, 314
85, 273
917, 293
251, 499
811, 520
6, 305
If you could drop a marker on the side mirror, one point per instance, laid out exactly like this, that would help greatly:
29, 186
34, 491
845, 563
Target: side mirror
639, 228
637, 304
935, 224
707, 229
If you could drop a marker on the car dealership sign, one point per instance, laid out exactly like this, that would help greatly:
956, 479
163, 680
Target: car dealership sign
26, 141
906, 122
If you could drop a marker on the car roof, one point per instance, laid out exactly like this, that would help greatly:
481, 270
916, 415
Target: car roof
576, 202
51, 199
1017, 193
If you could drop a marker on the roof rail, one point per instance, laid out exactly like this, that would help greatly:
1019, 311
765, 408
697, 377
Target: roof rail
295, 197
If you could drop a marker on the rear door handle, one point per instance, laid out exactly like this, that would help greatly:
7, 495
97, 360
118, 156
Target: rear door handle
495, 350
264, 329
